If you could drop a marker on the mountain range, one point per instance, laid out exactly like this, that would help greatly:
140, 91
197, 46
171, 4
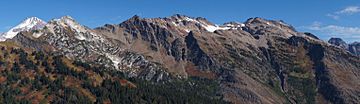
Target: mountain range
257, 61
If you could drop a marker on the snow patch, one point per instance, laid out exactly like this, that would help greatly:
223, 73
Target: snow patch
212, 28
32, 23
190, 19
235, 26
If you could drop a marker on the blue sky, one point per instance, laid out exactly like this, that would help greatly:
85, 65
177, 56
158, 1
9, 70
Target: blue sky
325, 18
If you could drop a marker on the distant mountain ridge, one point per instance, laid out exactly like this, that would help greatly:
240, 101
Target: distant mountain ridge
256, 61
352, 47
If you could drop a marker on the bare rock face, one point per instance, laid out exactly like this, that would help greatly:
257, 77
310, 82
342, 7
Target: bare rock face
338, 42
258, 61
355, 48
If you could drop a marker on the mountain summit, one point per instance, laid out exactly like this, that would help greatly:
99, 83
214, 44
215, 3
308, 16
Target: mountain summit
31, 23
338, 42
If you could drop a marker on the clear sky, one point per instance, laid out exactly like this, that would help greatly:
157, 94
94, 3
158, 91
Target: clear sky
325, 18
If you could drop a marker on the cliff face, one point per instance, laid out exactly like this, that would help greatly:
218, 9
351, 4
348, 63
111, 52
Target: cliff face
355, 48
258, 61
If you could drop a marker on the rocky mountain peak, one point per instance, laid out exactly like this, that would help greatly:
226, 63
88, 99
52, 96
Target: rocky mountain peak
179, 16
82, 32
33, 20
135, 17
258, 26
338, 42
67, 17
132, 21
67, 20
273, 23
353, 48
255, 20
31, 23
355, 43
